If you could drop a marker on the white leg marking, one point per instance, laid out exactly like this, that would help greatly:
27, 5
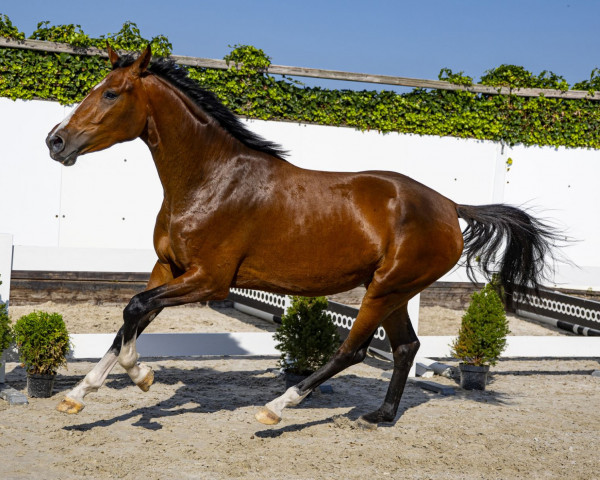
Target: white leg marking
94, 379
291, 398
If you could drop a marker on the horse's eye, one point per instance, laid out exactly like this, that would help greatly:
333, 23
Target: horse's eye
110, 95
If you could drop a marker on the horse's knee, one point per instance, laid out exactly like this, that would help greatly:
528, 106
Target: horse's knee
134, 310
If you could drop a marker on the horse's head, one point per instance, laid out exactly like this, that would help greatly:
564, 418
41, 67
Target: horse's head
116, 110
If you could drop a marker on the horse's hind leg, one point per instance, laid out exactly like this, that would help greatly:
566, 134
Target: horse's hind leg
352, 351
404, 345
73, 401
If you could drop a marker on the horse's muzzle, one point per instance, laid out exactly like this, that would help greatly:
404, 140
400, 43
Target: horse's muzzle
56, 146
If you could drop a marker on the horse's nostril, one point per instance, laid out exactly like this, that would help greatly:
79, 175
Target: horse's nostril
56, 144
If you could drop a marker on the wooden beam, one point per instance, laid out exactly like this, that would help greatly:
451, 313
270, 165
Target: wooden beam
198, 62
433, 84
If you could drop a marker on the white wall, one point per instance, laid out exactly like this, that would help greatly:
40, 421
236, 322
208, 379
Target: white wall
451, 166
108, 199
99, 214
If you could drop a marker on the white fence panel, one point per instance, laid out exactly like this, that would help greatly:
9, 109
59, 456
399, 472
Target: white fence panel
180, 344
522, 347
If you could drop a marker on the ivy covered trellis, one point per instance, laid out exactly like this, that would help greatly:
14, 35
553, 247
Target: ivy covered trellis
248, 91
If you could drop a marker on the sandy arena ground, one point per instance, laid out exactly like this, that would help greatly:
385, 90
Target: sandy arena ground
538, 419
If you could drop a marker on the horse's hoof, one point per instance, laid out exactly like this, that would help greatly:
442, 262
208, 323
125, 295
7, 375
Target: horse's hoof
267, 417
366, 424
68, 405
147, 381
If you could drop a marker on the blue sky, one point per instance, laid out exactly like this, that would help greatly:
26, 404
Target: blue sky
404, 38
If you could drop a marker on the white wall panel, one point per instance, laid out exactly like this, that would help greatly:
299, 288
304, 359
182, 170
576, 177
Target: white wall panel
565, 185
110, 199
105, 203
29, 179
463, 170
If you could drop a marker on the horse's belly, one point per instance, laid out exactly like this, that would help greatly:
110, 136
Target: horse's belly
311, 276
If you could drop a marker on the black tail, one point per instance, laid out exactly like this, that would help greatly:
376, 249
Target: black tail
528, 249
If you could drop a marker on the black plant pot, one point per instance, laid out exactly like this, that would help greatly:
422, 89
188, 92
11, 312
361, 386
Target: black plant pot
40, 386
473, 377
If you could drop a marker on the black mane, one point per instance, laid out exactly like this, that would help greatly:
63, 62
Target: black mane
207, 101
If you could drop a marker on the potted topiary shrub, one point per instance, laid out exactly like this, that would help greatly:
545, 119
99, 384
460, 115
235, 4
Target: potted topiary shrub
43, 343
307, 338
481, 338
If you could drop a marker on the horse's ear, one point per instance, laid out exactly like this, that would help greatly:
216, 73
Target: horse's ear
112, 55
140, 65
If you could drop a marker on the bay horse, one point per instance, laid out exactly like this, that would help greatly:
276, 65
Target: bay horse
235, 213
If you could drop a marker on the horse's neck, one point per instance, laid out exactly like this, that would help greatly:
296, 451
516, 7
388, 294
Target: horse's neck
187, 145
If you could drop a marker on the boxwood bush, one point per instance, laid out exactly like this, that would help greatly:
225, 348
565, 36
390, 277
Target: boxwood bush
307, 337
483, 330
43, 342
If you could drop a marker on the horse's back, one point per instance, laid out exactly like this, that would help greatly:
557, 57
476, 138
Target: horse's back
331, 231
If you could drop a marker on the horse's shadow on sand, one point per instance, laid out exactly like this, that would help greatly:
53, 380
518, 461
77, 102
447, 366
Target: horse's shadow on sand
205, 390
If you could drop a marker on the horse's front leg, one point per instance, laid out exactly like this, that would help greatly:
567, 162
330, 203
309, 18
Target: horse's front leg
74, 400
142, 375
192, 286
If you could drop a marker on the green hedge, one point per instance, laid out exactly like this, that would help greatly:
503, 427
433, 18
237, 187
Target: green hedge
247, 91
